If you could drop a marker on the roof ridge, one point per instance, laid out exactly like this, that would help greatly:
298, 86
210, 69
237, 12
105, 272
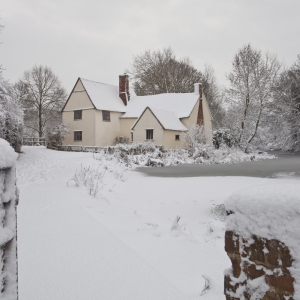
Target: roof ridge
166, 110
98, 82
169, 94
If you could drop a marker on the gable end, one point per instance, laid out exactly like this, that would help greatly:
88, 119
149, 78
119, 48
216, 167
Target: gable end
132, 128
77, 91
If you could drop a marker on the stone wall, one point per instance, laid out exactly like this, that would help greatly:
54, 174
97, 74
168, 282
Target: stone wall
263, 259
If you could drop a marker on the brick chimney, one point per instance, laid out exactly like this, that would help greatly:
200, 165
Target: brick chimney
199, 91
124, 88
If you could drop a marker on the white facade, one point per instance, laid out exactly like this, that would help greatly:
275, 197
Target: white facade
96, 115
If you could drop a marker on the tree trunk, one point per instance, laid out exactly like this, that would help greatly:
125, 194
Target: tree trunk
256, 125
245, 115
40, 122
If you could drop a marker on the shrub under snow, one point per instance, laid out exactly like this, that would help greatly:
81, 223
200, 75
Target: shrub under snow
55, 135
146, 154
11, 115
7, 155
224, 136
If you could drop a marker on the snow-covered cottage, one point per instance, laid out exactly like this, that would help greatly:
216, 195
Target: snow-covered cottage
98, 113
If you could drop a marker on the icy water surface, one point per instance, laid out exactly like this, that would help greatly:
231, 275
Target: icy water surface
286, 165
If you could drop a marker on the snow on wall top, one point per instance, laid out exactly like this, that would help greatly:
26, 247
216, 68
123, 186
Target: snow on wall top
270, 211
105, 96
180, 104
8, 156
168, 119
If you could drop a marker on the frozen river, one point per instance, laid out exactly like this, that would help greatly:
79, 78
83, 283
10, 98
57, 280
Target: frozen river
287, 164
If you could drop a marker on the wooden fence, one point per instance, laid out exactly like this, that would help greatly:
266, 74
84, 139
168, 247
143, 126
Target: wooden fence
32, 141
78, 148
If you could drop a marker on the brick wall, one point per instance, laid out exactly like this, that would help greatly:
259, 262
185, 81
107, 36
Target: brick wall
258, 260
262, 240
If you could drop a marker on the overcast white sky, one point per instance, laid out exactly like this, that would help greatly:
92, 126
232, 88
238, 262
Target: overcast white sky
97, 39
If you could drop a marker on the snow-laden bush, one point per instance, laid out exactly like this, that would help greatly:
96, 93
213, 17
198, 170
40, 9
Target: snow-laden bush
55, 135
11, 115
193, 138
121, 140
93, 177
224, 136
135, 148
147, 154
90, 177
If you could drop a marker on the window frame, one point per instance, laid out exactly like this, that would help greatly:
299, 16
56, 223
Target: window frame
149, 134
177, 135
76, 139
105, 113
77, 111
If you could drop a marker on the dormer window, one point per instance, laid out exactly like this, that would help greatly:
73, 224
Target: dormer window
78, 115
106, 115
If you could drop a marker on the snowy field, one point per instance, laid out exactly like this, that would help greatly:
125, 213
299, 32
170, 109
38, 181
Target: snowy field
119, 244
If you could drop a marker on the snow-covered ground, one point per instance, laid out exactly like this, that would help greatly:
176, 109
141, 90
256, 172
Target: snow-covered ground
119, 244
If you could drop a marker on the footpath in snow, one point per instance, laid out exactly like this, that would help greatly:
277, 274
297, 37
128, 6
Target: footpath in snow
119, 244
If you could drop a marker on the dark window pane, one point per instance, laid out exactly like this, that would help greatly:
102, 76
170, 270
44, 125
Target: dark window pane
77, 114
105, 115
77, 135
177, 137
149, 134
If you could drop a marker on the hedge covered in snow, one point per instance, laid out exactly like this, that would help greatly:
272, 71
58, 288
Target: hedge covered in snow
7, 155
147, 154
11, 115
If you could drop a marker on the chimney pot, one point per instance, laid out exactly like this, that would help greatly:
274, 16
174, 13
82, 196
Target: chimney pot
198, 89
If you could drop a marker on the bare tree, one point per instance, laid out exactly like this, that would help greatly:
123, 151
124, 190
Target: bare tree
162, 72
1, 68
11, 113
251, 94
214, 96
43, 98
286, 114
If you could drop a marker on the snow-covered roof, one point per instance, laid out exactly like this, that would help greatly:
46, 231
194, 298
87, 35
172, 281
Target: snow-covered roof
105, 96
180, 104
167, 119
